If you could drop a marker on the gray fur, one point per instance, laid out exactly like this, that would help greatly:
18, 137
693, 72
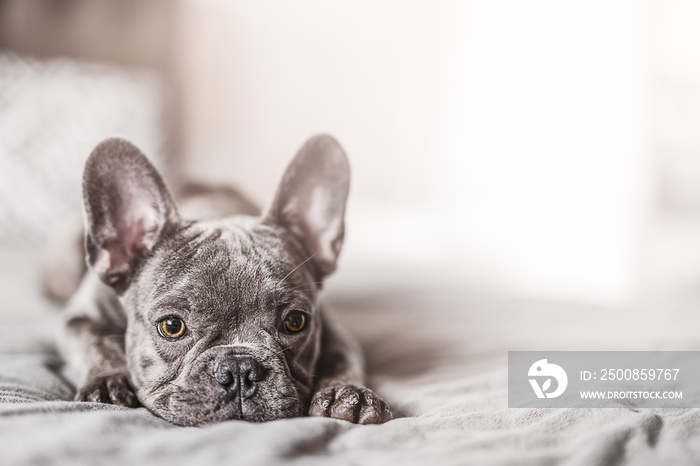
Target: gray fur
232, 281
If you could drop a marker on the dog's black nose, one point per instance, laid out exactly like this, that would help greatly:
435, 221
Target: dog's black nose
240, 374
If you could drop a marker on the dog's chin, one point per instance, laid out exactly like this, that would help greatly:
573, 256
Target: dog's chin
194, 413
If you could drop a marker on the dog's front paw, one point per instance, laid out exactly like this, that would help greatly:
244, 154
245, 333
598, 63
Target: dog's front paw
350, 403
114, 389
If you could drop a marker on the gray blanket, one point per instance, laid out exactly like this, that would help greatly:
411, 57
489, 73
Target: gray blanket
438, 356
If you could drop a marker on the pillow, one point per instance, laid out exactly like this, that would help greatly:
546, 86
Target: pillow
52, 114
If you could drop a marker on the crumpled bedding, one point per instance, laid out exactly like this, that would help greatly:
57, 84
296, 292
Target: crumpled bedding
437, 355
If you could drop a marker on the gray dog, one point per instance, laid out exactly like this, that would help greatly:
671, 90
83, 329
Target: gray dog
209, 320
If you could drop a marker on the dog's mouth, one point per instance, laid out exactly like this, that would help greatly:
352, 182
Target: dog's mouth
197, 408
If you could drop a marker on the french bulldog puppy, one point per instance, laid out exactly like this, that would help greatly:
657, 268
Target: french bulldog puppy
206, 321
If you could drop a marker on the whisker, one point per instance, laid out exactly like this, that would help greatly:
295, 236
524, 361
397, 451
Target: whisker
275, 353
295, 269
281, 351
306, 284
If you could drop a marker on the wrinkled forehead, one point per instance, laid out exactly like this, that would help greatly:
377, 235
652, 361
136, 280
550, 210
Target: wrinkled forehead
233, 263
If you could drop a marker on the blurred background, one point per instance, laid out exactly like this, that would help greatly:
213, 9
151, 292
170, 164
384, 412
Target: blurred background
543, 149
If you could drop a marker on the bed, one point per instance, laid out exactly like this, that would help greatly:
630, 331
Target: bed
437, 355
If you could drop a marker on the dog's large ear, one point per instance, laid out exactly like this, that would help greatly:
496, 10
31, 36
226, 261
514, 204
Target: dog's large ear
310, 200
127, 210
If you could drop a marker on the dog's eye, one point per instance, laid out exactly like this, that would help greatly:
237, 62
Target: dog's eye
294, 322
172, 327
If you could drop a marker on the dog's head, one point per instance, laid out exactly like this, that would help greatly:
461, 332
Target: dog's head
223, 316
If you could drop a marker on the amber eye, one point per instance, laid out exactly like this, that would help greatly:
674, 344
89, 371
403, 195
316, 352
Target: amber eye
172, 327
294, 322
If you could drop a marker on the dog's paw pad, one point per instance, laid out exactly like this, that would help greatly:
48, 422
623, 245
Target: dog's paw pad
350, 403
111, 389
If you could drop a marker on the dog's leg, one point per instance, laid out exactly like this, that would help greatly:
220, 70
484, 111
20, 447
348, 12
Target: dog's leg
92, 340
340, 390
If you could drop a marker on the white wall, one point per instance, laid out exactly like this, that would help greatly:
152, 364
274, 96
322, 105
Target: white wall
499, 144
